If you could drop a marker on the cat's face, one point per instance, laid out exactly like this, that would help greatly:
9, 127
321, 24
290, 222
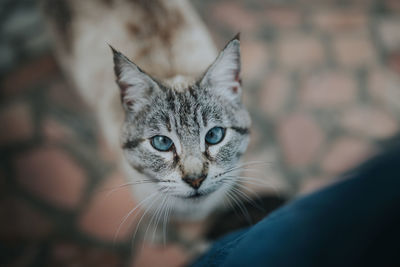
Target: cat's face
187, 141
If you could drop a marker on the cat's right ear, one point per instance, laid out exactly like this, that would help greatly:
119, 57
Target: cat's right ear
135, 85
223, 76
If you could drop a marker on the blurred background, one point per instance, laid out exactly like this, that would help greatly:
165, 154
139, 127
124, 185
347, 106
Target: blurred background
321, 79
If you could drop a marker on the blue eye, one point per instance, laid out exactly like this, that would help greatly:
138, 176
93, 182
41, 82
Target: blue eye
161, 143
215, 135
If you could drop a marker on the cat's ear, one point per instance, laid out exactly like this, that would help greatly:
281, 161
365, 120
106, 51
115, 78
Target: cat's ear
135, 85
223, 76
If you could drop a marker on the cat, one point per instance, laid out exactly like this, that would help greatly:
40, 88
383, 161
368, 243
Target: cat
177, 122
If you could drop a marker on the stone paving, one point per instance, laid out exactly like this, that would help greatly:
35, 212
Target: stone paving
321, 78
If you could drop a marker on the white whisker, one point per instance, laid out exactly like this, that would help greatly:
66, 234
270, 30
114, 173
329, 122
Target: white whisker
129, 214
165, 219
158, 217
241, 207
247, 198
116, 188
144, 214
252, 192
248, 164
153, 215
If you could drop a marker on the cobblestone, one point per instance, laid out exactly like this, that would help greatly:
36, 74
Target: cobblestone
255, 59
282, 17
19, 218
171, 256
300, 138
384, 89
354, 51
345, 153
389, 32
70, 254
341, 21
234, 16
104, 217
52, 175
370, 122
315, 183
275, 93
328, 89
17, 121
300, 51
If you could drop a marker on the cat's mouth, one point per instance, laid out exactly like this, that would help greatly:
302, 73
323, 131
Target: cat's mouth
197, 195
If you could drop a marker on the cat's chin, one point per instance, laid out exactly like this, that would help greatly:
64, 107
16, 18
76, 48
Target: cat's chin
188, 206
197, 206
195, 195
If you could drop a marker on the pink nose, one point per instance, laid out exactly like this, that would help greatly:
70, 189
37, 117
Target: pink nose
194, 182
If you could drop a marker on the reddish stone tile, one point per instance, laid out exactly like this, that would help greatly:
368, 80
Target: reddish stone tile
334, 4
64, 251
315, 183
107, 209
392, 5
354, 51
282, 16
318, 3
16, 123
300, 138
389, 32
235, 16
345, 153
71, 254
55, 132
19, 220
338, 21
383, 86
29, 75
394, 61
266, 175
166, 256
191, 231
51, 174
328, 89
275, 92
300, 51
254, 58
370, 122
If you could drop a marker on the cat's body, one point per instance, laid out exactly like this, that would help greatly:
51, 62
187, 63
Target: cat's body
165, 38
173, 99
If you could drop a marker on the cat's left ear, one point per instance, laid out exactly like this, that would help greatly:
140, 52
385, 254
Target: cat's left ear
223, 76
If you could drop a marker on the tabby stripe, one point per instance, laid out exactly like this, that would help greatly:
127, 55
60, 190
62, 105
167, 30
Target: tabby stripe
196, 121
240, 130
138, 168
193, 93
131, 144
204, 117
208, 156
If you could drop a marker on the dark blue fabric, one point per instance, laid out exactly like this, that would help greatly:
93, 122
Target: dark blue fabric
355, 222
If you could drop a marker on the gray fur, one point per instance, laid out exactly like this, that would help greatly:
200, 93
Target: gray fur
185, 116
